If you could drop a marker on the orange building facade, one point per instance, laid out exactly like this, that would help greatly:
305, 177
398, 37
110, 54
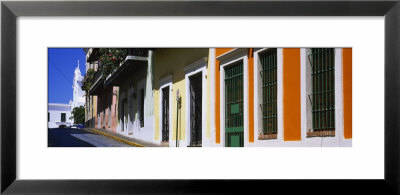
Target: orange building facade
281, 96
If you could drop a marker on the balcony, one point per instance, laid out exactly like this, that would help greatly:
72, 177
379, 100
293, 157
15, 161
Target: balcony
135, 60
92, 54
98, 84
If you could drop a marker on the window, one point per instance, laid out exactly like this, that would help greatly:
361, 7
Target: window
63, 116
268, 104
141, 112
322, 97
48, 117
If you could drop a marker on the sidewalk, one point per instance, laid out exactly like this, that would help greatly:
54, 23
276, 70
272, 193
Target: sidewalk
122, 138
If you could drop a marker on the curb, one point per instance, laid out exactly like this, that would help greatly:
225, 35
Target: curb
115, 138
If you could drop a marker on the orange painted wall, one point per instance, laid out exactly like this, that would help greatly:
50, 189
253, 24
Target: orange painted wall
218, 52
291, 95
347, 92
251, 95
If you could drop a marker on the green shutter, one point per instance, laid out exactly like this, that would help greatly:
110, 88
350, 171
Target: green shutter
322, 61
269, 91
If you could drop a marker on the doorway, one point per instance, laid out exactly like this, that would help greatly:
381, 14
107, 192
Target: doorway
124, 114
234, 105
195, 91
165, 114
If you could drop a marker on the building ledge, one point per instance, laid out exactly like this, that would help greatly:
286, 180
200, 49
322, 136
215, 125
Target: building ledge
232, 55
323, 133
267, 136
130, 65
98, 84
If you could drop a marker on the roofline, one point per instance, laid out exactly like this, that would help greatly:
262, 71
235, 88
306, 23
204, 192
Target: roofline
58, 104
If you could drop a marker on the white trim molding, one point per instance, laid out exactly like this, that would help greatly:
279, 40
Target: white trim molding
231, 57
211, 80
200, 66
232, 54
306, 115
195, 65
258, 98
165, 82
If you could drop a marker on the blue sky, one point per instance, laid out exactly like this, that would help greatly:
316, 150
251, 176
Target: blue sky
62, 63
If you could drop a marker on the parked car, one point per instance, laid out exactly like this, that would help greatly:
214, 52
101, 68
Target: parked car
80, 126
77, 126
62, 126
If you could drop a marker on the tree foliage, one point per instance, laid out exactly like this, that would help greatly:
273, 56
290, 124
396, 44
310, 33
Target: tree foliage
110, 59
88, 82
78, 114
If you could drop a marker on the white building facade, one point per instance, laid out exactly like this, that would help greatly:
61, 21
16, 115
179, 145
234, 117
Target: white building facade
58, 114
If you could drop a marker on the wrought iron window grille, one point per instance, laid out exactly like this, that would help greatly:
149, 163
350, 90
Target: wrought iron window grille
268, 105
322, 97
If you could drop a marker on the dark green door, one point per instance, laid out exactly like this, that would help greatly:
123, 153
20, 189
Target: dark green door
234, 105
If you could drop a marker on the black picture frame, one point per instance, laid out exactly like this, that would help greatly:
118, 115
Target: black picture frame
10, 10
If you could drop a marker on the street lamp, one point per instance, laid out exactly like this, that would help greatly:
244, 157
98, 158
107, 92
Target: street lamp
178, 105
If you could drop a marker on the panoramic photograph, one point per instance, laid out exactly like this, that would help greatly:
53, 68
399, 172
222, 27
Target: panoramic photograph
199, 97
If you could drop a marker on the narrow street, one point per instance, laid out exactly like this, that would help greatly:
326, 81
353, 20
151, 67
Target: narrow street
69, 137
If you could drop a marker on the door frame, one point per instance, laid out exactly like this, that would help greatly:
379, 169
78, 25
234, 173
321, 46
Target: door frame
125, 120
165, 82
131, 112
141, 84
189, 100
197, 67
234, 56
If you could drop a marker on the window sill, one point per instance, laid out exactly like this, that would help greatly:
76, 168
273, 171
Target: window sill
165, 143
267, 136
323, 133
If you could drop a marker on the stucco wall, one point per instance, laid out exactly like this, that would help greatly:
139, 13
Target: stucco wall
218, 52
172, 62
292, 104
347, 92
55, 115
130, 91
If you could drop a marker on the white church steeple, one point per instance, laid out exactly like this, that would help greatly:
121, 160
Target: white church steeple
78, 94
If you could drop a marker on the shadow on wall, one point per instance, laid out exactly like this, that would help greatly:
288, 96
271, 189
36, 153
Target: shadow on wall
129, 94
